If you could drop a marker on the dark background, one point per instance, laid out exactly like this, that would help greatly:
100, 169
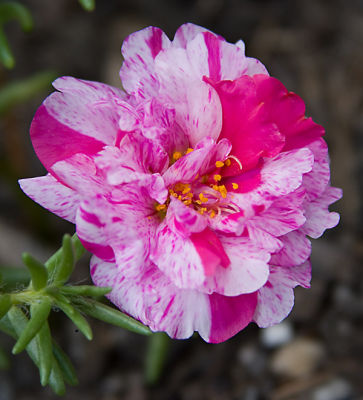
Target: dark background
315, 48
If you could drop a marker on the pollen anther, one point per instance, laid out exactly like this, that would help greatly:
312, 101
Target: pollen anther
219, 164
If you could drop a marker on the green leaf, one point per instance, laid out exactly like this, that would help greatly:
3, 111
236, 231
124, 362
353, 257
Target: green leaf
56, 379
4, 359
85, 290
159, 343
110, 315
14, 10
65, 267
65, 365
45, 353
77, 318
38, 272
5, 304
88, 5
22, 90
56, 258
6, 56
19, 322
39, 315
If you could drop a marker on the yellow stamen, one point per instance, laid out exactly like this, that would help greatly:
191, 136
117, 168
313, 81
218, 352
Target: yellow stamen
219, 164
202, 198
160, 207
227, 163
177, 155
235, 185
212, 213
189, 150
202, 210
198, 202
217, 177
186, 190
223, 191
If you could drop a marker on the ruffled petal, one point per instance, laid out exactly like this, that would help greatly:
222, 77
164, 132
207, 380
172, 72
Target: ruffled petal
177, 258
246, 272
52, 195
276, 298
139, 51
155, 301
316, 181
197, 105
296, 250
82, 118
318, 217
246, 122
279, 176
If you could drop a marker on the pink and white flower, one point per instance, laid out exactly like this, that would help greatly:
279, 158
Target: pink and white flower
195, 188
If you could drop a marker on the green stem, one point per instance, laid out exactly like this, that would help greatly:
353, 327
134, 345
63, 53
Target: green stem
156, 356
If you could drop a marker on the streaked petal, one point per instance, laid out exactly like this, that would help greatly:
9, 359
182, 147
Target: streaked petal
52, 195
276, 298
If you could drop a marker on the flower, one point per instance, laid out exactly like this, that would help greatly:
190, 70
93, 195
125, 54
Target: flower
195, 188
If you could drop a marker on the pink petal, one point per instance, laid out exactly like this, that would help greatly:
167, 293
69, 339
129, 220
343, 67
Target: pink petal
52, 195
276, 298
296, 250
230, 315
246, 272
213, 57
178, 258
316, 181
154, 300
210, 250
318, 217
121, 228
287, 110
184, 220
197, 105
279, 176
79, 172
186, 33
81, 118
198, 162
139, 51
246, 122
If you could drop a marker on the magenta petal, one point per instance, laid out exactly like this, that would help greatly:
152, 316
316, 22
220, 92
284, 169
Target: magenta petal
246, 124
210, 250
230, 315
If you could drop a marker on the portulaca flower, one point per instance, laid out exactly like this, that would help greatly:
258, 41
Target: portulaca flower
195, 188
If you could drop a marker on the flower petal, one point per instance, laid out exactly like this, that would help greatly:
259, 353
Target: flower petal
139, 51
52, 195
197, 105
230, 315
177, 257
155, 301
276, 298
81, 118
246, 272
246, 122
318, 217
296, 250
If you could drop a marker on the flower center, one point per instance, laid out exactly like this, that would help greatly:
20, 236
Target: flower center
206, 194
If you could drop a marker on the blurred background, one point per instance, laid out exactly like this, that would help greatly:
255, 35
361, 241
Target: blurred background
315, 47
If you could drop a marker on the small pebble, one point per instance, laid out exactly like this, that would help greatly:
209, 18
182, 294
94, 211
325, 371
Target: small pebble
277, 335
297, 359
337, 389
